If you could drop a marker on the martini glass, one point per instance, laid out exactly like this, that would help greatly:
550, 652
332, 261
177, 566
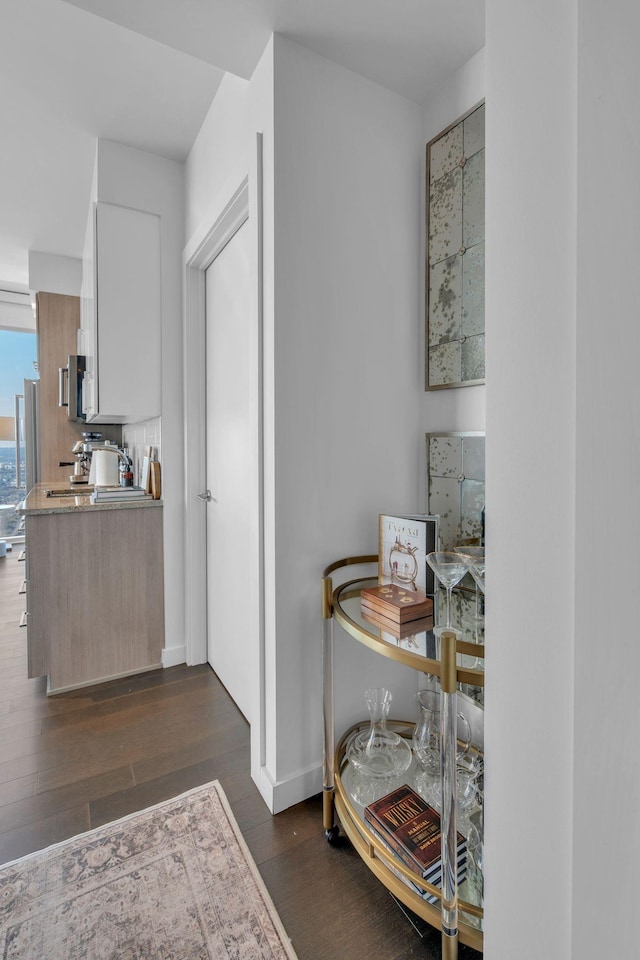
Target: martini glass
449, 568
477, 569
475, 556
475, 560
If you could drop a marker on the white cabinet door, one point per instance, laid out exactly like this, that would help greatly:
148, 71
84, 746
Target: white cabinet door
87, 330
123, 344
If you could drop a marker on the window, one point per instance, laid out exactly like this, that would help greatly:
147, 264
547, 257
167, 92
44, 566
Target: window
18, 362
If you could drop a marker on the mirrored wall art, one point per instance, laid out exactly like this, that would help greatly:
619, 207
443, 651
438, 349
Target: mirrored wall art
455, 255
455, 479
455, 485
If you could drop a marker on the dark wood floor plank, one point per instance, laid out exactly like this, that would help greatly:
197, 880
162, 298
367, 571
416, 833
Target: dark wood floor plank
20, 691
21, 731
12, 747
41, 708
269, 836
95, 710
44, 833
318, 887
19, 767
134, 735
43, 805
161, 788
8, 651
17, 789
15, 668
232, 737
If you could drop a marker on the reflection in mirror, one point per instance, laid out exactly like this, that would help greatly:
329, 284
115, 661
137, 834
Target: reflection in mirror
456, 492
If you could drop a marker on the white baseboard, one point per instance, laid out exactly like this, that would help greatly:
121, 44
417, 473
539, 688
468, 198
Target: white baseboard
172, 656
279, 795
51, 690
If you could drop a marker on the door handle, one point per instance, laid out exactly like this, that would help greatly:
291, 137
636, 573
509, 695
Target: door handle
206, 497
63, 377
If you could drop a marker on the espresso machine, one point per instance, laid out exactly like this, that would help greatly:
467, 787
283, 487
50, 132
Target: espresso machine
84, 465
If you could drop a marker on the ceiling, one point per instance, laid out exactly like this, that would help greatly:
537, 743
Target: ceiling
144, 73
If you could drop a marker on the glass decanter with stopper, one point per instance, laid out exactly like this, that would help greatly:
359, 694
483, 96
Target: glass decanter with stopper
379, 752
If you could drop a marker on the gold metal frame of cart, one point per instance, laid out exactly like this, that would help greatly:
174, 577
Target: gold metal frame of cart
335, 800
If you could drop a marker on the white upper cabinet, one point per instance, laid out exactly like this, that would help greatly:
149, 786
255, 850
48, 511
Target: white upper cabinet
121, 330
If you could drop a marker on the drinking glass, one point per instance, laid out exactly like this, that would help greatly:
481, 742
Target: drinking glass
449, 567
475, 865
426, 734
475, 561
477, 570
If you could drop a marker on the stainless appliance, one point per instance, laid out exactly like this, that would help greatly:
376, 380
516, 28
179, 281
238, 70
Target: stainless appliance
84, 450
30, 434
70, 384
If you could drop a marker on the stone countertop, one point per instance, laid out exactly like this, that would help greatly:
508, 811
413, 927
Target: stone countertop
68, 501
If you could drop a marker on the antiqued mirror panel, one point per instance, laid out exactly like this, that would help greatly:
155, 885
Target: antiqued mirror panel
455, 255
455, 493
455, 486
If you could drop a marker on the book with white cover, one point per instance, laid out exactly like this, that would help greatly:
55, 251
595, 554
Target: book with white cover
403, 545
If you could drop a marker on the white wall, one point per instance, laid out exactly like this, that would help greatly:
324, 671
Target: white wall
563, 242
147, 182
530, 476
606, 790
55, 273
347, 426
219, 157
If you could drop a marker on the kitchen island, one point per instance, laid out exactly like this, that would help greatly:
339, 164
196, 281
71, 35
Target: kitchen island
94, 587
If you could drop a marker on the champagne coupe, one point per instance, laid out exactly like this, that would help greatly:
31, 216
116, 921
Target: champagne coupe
449, 567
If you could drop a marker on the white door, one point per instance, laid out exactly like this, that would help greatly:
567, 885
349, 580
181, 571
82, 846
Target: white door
232, 470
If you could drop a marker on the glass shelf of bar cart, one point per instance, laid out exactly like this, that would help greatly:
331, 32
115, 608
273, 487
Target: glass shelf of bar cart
455, 908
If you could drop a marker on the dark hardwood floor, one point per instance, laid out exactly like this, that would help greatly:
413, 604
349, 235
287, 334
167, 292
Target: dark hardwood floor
77, 760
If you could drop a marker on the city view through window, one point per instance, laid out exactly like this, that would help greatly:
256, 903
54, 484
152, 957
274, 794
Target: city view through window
18, 354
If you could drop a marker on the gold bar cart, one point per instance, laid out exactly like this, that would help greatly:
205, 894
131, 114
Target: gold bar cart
459, 920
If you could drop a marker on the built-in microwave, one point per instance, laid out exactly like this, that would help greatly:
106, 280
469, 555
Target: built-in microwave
70, 386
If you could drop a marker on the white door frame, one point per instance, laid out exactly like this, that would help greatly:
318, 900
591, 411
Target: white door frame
196, 261
196, 258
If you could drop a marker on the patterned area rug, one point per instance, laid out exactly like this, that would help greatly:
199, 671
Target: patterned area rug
174, 882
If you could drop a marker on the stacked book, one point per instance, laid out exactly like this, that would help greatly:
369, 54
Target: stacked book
393, 607
409, 827
399, 631
115, 494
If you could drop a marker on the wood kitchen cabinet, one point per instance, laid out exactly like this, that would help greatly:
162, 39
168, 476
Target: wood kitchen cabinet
95, 593
57, 319
121, 314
